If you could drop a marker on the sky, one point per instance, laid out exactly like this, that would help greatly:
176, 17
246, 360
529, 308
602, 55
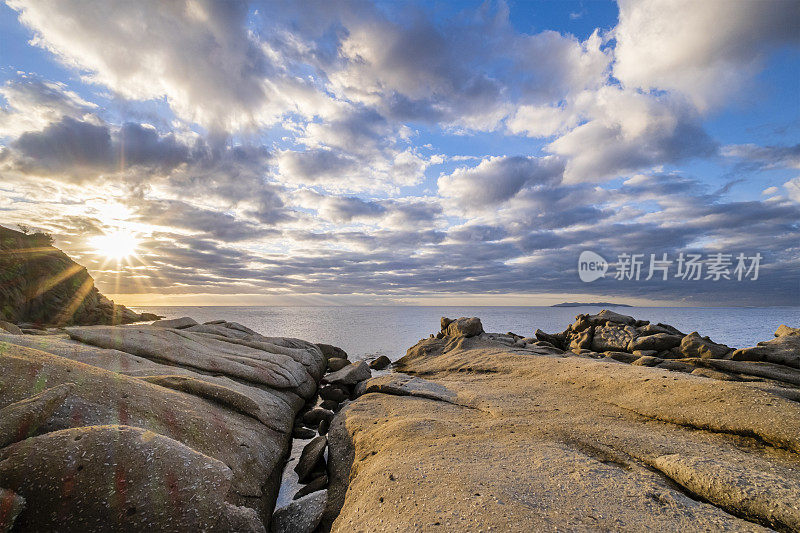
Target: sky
434, 153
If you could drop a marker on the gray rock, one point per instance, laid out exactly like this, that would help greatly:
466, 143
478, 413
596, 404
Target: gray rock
330, 392
613, 337
10, 328
337, 363
313, 456
324, 425
349, 375
651, 329
380, 363
314, 416
657, 341
300, 432
330, 405
464, 327
401, 384
176, 323
300, 516
330, 351
313, 486
556, 340
623, 357
693, 345
675, 366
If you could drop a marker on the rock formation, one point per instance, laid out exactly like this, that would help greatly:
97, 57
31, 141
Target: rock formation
112, 428
39, 284
497, 432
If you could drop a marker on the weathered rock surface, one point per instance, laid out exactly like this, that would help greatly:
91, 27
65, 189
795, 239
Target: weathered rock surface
496, 437
612, 337
782, 350
693, 345
11, 504
8, 327
214, 409
300, 516
462, 327
656, 341
380, 363
311, 458
178, 323
337, 363
349, 375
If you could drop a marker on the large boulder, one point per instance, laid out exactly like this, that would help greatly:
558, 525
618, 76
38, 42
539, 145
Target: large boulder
693, 345
332, 351
463, 327
349, 375
176, 323
783, 350
582, 339
227, 396
302, 515
613, 337
311, 458
119, 478
605, 316
657, 341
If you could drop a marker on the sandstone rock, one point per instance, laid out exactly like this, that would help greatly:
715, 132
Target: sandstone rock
401, 384
582, 340
537, 441
21, 419
651, 329
380, 363
311, 458
675, 366
605, 316
555, 340
83, 461
642, 353
656, 341
713, 374
176, 323
693, 345
330, 351
784, 330
647, 360
466, 327
760, 369
265, 363
10, 328
336, 363
783, 350
581, 323
624, 357
613, 337
300, 516
349, 375
313, 486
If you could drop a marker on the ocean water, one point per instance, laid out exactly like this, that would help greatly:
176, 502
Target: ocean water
370, 331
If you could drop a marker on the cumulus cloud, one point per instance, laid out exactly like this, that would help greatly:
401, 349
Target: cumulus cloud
497, 179
699, 49
198, 54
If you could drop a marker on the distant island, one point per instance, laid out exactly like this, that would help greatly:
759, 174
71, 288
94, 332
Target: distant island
598, 304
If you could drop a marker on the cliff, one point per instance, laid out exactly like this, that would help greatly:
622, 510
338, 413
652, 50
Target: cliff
40, 284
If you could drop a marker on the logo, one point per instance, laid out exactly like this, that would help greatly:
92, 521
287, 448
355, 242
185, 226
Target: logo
591, 266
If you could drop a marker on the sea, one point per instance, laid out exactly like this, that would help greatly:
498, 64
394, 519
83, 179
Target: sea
365, 332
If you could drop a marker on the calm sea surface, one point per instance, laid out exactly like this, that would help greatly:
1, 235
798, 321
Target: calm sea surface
390, 331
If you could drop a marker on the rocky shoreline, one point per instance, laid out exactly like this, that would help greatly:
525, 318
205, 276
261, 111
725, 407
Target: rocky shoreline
612, 424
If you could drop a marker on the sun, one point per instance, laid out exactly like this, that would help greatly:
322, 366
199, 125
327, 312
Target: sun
117, 245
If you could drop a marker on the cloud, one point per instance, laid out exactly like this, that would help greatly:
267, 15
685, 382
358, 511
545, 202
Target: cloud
793, 189
200, 55
765, 157
33, 103
497, 179
626, 131
700, 49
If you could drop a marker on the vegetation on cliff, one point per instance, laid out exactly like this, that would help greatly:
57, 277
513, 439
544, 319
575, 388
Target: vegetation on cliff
41, 284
